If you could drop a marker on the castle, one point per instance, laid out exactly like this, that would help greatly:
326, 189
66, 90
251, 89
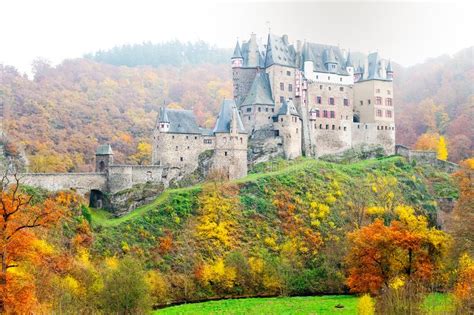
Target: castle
289, 100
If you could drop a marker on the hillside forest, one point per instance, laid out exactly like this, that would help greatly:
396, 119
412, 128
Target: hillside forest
58, 117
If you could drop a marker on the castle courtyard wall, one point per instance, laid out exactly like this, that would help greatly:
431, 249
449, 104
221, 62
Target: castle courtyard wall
83, 183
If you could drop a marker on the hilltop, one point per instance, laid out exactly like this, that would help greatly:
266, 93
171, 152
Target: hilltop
280, 230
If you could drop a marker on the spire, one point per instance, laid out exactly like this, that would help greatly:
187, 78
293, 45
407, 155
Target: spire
331, 56
349, 61
164, 115
237, 51
389, 67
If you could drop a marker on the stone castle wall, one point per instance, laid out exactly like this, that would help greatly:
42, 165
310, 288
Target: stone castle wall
376, 134
290, 130
83, 183
231, 154
242, 82
280, 74
426, 157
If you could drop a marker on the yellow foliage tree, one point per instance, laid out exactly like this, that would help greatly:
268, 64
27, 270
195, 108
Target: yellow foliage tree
442, 150
143, 154
366, 305
427, 142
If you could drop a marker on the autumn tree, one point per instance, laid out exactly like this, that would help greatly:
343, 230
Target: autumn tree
406, 249
143, 154
427, 142
442, 149
19, 216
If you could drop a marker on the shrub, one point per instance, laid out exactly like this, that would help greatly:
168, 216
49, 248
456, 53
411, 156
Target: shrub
366, 305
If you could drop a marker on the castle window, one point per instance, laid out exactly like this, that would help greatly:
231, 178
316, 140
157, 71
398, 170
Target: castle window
241, 140
361, 102
329, 88
296, 130
327, 126
389, 92
331, 101
340, 79
345, 128
282, 86
320, 126
195, 137
368, 102
378, 100
346, 102
176, 148
317, 77
325, 114
225, 153
389, 114
288, 73
188, 147
319, 99
249, 109
341, 88
266, 109
282, 98
249, 117
290, 87
317, 113
320, 87
333, 114
281, 119
329, 78
181, 159
273, 110
377, 91
162, 125
172, 137
187, 137
379, 113
365, 126
388, 101
259, 109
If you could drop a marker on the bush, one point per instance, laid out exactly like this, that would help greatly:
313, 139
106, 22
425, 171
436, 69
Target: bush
366, 305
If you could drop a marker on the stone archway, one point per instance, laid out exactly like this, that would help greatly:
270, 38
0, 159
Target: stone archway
98, 199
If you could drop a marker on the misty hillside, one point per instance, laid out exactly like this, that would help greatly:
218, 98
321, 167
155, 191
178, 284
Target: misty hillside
66, 111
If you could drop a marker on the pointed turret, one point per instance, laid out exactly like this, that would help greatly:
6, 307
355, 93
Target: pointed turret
237, 58
163, 120
331, 62
229, 119
349, 61
389, 71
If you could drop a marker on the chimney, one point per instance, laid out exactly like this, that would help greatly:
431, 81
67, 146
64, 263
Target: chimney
298, 45
285, 39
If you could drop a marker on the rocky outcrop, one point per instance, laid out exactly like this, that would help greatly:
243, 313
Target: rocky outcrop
264, 146
129, 199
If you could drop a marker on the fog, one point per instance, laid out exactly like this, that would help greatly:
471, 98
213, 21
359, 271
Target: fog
405, 32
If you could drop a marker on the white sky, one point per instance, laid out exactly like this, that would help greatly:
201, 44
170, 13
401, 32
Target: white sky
405, 32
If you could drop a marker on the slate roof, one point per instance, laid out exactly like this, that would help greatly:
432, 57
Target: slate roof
181, 121
349, 60
225, 118
104, 149
288, 108
376, 69
279, 51
253, 53
260, 92
389, 67
322, 54
237, 52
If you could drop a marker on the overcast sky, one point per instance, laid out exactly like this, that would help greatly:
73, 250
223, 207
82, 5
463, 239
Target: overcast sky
405, 32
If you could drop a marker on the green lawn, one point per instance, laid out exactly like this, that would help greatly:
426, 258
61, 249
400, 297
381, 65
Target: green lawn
282, 305
435, 304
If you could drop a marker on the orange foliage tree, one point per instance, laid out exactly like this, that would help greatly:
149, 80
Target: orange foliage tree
405, 250
18, 217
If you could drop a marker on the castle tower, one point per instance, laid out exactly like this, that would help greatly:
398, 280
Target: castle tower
163, 121
288, 124
374, 106
231, 142
104, 157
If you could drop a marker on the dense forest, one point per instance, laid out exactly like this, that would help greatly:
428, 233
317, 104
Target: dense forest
64, 112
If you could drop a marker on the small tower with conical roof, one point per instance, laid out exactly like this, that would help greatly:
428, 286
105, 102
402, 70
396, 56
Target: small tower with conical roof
163, 121
104, 157
230, 155
288, 124
331, 61
237, 58
389, 71
349, 65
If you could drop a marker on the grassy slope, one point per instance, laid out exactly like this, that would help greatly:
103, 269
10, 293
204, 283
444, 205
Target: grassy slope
171, 209
435, 304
